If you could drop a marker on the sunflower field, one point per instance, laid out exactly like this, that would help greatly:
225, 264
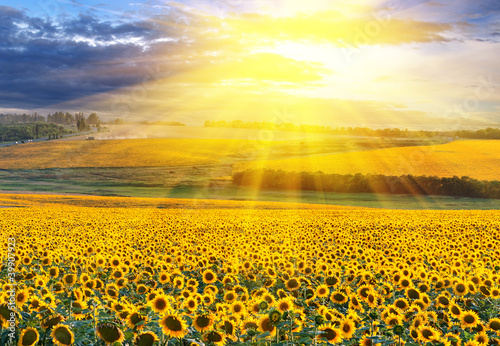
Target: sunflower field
238, 274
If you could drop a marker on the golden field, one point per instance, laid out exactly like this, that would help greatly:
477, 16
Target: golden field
93, 271
119, 153
478, 159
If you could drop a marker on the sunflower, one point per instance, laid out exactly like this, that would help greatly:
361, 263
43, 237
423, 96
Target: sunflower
215, 337
471, 343
207, 299
455, 310
412, 293
338, 297
115, 261
179, 282
249, 323
265, 325
142, 289
209, 277
365, 341
28, 337
322, 291
373, 299
237, 308
469, 319
203, 322
21, 297
112, 290
145, 339
191, 304
494, 324
427, 334
69, 279
355, 303
109, 333
482, 338
173, 325
77, 307
284, 304
331, 281
401, 303
135, 318
62, 335
230, 296
164, 278
348, 328
393, 320
160, 303
460, 289
51, 321
292, 284
453, 339
443, 301
53, 272
330, 334
229, 327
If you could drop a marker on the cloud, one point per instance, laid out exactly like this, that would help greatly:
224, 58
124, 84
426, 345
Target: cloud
335, 28
52, 60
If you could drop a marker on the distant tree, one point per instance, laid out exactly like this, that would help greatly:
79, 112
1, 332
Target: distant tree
92, 119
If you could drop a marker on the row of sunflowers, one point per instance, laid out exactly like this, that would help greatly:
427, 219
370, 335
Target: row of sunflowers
148, 276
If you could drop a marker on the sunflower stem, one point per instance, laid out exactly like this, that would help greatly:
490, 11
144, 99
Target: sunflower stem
95, 324
315, 329
45, 336
70, 304
277, 335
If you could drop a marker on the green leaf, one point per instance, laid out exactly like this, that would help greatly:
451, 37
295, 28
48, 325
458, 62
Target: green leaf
263, 335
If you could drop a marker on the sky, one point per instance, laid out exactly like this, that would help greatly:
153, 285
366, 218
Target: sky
416, 64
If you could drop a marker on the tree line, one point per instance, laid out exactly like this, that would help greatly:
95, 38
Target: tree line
19, 132
488, 133
367, 183
62, 118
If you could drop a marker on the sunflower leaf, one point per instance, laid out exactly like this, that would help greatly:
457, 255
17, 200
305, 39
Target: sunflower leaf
263, 335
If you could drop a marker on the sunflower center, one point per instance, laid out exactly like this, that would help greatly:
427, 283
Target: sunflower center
330, 334
495, 325
413, 294
173, 324
29, 338
203, 321
109, 333
338, 297
469, 319
444, 300
427, 334
161, 304
145, 340
267, 326
63, 336
293, 283
214, 337
460, 288
136, 318
401, 304
331, 281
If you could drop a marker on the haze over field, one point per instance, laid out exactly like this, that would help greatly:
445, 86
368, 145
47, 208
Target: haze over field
398, 63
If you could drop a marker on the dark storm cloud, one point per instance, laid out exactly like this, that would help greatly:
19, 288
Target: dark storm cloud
47, 61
